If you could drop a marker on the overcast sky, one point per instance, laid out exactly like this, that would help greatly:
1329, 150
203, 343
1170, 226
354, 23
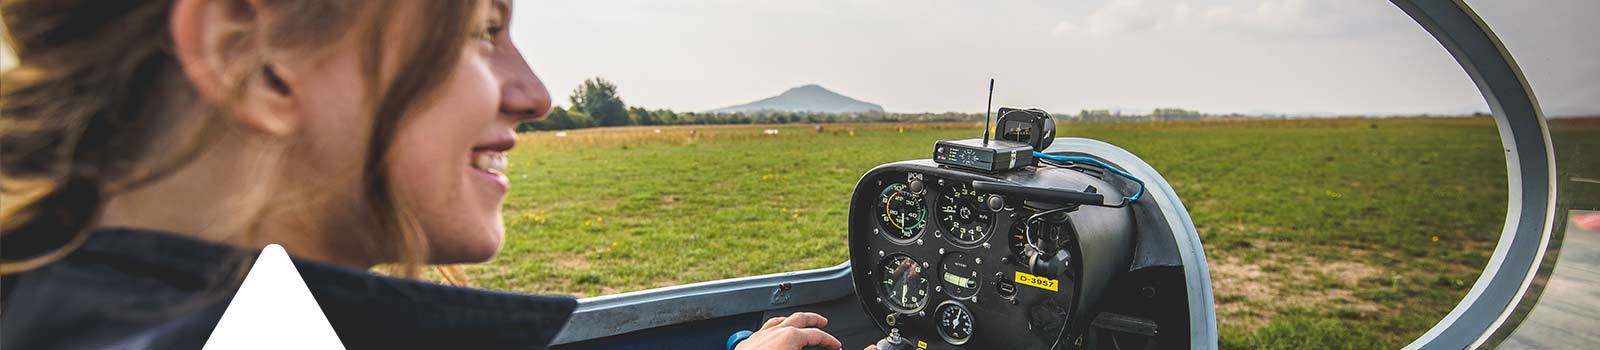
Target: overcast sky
1218, 56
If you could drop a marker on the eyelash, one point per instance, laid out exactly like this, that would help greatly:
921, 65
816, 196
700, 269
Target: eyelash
491, 32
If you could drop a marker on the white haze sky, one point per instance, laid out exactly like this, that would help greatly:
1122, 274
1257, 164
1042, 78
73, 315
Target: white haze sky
1217, 56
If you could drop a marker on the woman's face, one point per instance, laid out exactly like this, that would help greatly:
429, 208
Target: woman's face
448, 162
447, 159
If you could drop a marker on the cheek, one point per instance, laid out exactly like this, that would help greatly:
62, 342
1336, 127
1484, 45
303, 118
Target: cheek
429, 166
334, 120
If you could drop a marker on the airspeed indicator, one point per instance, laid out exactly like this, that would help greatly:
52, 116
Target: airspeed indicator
900, 211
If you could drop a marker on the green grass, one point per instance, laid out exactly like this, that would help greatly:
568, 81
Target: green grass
1320, 233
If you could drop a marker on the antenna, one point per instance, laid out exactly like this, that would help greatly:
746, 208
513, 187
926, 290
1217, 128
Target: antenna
986, 108
977, 154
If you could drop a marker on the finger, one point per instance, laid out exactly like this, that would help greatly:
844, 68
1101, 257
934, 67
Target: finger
771, 322
804, 320
871, 347
813, 336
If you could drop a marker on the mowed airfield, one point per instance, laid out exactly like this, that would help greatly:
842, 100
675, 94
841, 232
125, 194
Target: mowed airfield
1331, 233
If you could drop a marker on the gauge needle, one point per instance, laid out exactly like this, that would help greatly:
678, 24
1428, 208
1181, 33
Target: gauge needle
902, 294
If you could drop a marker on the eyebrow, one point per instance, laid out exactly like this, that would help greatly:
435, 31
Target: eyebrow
504, 9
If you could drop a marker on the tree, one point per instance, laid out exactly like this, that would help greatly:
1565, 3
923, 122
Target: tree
580, 119
641, 116
666, 116
559, 119
598, 99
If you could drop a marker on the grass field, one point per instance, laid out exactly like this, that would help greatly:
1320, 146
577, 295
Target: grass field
1344, 233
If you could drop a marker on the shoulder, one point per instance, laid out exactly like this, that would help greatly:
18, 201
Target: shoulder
371, 311
143, 290
92, 299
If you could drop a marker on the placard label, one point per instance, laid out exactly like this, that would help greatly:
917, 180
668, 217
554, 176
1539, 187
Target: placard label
1038, 282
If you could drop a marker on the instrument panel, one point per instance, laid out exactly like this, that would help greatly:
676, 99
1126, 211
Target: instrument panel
986, 270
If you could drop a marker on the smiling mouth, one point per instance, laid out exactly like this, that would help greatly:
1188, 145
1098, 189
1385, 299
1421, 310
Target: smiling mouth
493, 162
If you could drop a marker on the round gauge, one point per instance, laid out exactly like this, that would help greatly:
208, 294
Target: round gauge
958, 273
902, 211
955, 322
903, 285
1021, 251
965, 215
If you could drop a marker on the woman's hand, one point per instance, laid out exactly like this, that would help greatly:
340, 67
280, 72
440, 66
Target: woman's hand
791, 333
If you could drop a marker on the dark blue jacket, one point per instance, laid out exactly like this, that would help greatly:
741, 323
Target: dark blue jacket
128, 289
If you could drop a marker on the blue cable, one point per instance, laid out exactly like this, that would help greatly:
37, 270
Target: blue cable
1096, 162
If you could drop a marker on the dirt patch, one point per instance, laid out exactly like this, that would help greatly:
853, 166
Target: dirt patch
572, 261
1231, 277
1251, 293
1348, 272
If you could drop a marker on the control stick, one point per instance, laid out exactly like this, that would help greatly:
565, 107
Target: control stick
894, 341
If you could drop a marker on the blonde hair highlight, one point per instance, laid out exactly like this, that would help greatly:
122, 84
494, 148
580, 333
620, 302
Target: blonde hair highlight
77, 124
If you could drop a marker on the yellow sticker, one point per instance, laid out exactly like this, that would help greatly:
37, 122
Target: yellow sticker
922, 344
1036, 281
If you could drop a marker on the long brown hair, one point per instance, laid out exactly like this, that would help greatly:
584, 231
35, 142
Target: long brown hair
80, 113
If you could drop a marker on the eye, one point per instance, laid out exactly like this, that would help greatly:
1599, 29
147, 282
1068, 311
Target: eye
494, 22
490, 32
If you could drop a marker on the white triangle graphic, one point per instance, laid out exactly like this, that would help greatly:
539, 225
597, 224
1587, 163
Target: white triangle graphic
273, 310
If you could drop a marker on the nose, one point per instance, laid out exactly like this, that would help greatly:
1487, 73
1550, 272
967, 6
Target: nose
523, 96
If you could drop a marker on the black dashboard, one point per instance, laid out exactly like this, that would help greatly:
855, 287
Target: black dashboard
950, 259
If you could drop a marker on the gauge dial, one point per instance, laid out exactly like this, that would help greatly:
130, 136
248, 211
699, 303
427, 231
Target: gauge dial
955, 322
904, 287
901, 211
958, 274
1021, 251
964, 215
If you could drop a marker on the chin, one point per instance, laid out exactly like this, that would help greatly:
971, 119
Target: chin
475, 246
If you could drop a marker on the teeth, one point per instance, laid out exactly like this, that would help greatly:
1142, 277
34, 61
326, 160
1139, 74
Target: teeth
494, 162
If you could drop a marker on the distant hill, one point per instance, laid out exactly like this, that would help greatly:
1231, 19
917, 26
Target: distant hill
808, 98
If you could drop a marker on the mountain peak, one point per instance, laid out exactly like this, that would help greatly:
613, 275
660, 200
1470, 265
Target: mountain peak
806, 87
806, 98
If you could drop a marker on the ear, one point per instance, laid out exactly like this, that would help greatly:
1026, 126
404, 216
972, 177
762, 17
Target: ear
218, 43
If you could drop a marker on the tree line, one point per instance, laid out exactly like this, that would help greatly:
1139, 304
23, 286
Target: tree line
596, 103
1105, 115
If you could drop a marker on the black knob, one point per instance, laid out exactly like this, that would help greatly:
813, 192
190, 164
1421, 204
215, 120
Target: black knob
893, 343
1052, 266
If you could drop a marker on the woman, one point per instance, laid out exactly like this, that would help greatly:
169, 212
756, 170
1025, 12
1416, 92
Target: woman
150, 148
